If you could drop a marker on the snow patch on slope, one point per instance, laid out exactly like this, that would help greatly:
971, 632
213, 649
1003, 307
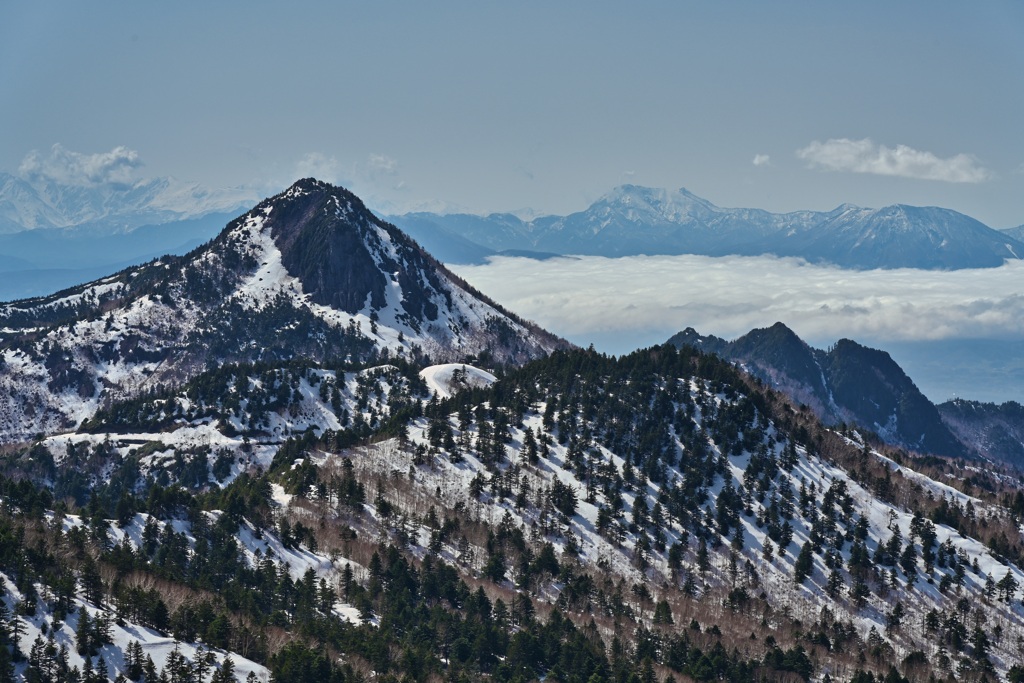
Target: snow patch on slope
446, 379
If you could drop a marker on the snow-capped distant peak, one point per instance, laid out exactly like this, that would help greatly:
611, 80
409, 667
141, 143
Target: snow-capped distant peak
42, 202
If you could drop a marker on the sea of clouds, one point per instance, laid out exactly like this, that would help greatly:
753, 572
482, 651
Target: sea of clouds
624, 303
956, 333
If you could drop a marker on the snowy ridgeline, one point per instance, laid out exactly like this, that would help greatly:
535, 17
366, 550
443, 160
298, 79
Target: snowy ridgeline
245, 430
446, 380
458, 481
238, 422
536, 485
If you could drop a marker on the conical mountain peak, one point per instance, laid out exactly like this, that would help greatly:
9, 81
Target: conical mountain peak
310, 272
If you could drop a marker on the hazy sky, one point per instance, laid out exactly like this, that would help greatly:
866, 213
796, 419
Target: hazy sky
505, 106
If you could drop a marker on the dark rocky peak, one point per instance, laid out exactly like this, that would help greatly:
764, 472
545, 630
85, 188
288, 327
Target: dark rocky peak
778, 335
848, 383
778, 348
345, 257
308, 274
872, 386
691, 337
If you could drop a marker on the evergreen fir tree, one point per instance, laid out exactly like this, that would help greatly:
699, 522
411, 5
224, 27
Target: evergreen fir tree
226, 672
84, 633
804, 563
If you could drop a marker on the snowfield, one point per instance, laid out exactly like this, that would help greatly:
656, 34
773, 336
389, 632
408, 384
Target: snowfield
444, 380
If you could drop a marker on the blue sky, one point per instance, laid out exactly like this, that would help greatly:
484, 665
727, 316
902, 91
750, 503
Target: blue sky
506, 106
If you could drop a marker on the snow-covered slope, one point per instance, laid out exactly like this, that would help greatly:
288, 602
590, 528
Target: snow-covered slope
444, 380
308, 273
43, 629
631, 504
637, 494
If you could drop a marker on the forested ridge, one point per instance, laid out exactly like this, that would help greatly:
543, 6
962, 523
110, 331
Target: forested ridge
651, 517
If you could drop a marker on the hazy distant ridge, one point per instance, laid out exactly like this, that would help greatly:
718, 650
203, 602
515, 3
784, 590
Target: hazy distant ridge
633, 220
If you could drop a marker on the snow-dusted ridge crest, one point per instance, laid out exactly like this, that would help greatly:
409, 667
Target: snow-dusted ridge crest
308, 273
734, 483
632, 220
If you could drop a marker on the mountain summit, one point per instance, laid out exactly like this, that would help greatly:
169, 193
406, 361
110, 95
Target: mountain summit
633, 220
848, 383
309, 272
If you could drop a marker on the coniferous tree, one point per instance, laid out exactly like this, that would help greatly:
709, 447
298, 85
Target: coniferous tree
908, 563
134, 660
804, 563
39, 670
663, 613
84, 634
1007, 587
835, 583
860, 592
894, 619
225, 672
102, 672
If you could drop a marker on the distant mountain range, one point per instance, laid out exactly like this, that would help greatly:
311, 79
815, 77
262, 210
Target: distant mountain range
107, 208
633, 220
45, 260
55, 235
1016, 233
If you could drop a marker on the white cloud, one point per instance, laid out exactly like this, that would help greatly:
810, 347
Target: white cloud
637, 301
376, 179
116, 167
380, 163
318, 165
762, 160
377, 173
864, 156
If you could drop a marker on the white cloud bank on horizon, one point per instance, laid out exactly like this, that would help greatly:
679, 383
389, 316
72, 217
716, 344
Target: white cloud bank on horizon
864, 156
637, 301
116, 167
